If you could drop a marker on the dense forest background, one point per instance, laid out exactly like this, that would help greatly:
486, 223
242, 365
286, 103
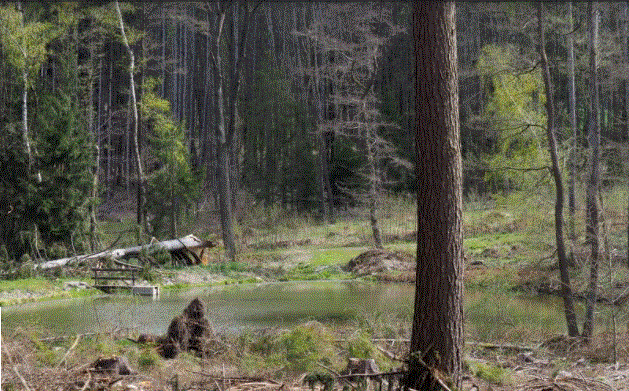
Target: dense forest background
181, 110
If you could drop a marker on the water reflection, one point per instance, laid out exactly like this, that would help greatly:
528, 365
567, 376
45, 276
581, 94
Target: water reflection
230, 308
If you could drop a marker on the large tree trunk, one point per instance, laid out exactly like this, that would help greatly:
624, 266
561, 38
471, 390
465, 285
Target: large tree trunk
437, 334
566, 290
141, 216
593, 177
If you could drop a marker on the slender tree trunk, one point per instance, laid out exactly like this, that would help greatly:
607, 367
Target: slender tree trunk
25, 136
27, 142
566, 290
592, 228
573, 146
625, 51
90, 126
373, 190
437, 335
128, 150
109, 150
224, 189
141, 220
323, 174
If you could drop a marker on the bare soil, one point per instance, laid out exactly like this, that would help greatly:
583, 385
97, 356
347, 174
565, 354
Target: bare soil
384, 265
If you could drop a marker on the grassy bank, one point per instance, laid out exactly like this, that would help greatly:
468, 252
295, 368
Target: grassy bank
294, 358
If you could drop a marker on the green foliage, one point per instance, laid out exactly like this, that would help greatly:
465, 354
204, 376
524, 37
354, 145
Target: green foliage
276, 157
107, 17
13, 191
57, 250
515, 112
4, 255
161, 255
173, 187
24, 42
58, 202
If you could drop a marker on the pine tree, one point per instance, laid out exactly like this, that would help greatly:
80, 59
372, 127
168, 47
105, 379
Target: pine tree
173, 187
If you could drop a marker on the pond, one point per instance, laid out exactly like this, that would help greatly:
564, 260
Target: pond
491, 315
229, 308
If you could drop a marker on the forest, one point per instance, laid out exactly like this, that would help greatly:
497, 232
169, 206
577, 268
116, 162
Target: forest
272, 128
170, 109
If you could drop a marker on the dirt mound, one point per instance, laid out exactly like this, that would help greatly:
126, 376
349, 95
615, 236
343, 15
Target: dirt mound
379, 262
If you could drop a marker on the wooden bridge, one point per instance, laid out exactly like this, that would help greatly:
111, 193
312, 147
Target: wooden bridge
105, 278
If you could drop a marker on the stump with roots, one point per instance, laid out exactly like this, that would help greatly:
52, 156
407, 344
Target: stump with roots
188, 331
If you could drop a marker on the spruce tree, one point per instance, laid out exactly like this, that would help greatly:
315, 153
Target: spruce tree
173, 186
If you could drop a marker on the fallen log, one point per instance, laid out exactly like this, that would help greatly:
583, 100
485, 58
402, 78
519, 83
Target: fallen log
188, 246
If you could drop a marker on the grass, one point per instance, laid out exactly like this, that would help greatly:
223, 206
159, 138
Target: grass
489, 372
26, 290
502, 317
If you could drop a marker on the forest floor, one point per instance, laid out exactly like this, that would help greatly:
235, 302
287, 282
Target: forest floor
509, 249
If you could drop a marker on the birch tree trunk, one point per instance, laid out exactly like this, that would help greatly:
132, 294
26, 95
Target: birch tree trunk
592, 228
566, 290
141, 216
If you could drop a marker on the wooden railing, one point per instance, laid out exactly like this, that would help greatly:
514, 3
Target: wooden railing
103, 276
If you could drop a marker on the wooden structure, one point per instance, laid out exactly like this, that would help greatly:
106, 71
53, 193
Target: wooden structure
112, 279
188, 250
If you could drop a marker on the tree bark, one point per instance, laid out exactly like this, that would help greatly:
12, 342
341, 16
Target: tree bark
323, 171
225, 209
373, 189
573, 126
437, 334
25, 136
592, 229
625, 52
566, 290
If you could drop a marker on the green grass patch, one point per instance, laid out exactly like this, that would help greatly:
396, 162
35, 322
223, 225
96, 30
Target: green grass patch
32, 284
334, 256
508, 317
490, 373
